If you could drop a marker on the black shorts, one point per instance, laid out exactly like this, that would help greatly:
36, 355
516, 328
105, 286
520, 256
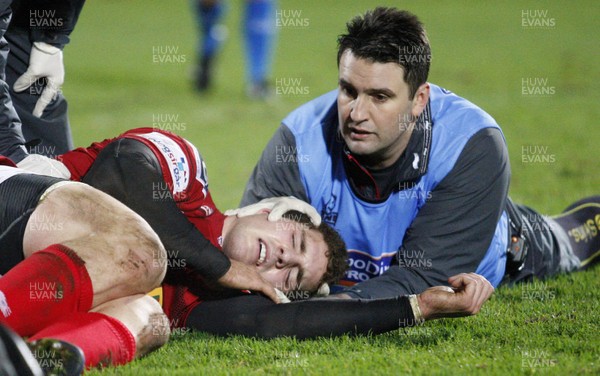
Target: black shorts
19, 196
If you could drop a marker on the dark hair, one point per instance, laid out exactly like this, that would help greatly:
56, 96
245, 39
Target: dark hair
389, 35
337, 256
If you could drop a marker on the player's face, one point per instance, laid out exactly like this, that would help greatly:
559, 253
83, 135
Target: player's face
286, 253
375, 113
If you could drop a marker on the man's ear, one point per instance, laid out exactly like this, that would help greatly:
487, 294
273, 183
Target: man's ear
420, 100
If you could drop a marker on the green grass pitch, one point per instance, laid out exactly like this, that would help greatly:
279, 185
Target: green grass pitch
532, 65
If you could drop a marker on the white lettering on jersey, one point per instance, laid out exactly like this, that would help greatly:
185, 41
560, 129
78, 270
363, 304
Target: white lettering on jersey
175, 158
206, 209
364, 266
201, 175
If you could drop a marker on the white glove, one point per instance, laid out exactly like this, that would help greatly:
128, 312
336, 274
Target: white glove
282, 297
42, 165
323, 290
278, 206
45, 61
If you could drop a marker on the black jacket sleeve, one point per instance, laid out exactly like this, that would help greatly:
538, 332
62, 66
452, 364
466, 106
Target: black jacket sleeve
256, 316
453, 230
11, 136
276, 173
49, 21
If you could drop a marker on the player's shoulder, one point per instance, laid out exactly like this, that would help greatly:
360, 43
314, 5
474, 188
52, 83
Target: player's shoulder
451, 110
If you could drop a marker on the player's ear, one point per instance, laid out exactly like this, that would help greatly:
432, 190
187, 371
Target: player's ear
420, 100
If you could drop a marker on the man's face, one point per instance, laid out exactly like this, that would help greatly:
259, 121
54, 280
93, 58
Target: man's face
376, 116
286, 253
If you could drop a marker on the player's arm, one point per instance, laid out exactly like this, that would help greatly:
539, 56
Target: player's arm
274, 176
275, 183
255, 316
454, 229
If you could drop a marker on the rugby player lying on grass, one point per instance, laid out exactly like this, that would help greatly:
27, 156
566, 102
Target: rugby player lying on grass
162, 177
83, 262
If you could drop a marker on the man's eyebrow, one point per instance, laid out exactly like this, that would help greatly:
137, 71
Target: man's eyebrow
373, 91
384, 91
345, 83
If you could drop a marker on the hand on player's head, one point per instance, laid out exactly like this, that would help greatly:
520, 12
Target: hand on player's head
277, 207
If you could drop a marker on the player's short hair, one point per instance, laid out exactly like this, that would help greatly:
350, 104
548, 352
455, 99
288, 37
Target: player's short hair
389, 35
337, 256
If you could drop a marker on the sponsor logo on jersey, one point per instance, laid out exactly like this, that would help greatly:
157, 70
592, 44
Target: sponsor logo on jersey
176, 160
364, 266
330, 213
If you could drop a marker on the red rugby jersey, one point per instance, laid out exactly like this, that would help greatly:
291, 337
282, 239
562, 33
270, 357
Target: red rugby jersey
184, 172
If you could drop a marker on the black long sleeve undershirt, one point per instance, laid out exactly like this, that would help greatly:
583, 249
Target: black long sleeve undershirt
257, 316
129, 171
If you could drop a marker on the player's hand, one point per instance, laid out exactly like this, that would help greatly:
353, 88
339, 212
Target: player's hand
277, 207
45, 61
244, 277
42, 165
468, 293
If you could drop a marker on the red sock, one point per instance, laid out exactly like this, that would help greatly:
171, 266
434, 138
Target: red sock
46, 287
104, 340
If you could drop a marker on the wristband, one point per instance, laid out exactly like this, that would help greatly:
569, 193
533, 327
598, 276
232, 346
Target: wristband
414, 304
